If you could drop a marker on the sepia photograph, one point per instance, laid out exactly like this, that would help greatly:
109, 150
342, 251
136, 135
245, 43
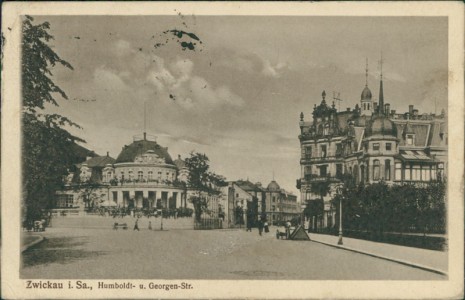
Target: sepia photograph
162, 148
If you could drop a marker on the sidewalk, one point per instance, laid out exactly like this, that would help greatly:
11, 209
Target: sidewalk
30, 239
435, 261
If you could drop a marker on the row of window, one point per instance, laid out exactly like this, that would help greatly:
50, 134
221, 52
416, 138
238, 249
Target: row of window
140, 176
64, 200
376, 146
307, 152
410, 172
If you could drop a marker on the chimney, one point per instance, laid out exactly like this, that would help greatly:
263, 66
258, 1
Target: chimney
145, 136
387, 109
179, 156
410, 109
348, 108
108, 154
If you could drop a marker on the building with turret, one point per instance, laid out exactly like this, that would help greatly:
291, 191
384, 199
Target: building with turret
372, 143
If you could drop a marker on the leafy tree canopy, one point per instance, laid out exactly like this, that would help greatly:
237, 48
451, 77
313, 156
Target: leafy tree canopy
47, 147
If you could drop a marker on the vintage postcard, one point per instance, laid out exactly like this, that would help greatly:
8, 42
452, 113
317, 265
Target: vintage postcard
232, 150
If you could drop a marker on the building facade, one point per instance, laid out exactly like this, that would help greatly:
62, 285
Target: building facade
143, 176
251, 201
372, 143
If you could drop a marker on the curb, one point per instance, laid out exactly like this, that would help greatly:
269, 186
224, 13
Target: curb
33, 243
399, 261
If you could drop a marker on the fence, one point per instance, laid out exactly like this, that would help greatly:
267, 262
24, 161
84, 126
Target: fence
206, 224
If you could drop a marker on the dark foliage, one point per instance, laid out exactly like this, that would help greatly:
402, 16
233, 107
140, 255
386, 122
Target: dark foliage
202, 181
379, 208
47, 147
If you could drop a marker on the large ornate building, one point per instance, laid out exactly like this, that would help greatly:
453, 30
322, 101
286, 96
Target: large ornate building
371, 142
142, 176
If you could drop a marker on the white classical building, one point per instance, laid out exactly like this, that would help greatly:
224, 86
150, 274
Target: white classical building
142, 176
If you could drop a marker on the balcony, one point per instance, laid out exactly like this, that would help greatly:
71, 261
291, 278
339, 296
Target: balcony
315, 159
315, 178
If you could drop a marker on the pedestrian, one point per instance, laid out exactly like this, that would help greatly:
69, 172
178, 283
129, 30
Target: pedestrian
267, 229
288, 229
136, 225
260, 227
249, 225
150, 225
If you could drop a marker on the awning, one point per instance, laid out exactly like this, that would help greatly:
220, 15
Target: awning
415, 155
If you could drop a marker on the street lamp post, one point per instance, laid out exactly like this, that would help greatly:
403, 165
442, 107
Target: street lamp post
339, 242
302, 206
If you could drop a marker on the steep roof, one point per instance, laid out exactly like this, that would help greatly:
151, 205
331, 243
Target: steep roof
99, 161
130, 152
248, 186
436, 136
419, 129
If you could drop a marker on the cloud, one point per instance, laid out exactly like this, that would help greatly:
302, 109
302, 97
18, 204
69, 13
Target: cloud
109, 80
273, 71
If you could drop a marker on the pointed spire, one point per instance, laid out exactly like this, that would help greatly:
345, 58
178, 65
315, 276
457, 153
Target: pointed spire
381, 94
145, 121
366, 73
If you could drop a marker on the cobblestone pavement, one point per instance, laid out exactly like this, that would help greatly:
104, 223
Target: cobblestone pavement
74, 253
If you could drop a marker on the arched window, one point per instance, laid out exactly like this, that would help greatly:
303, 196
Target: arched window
150, 175
368, 106
140, 175
122, 176
387, 169
108, 175
131, 175
376, 169
326, 130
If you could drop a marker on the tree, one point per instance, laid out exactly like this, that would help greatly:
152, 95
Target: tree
315, 207
88, 192
203, 182
47, 148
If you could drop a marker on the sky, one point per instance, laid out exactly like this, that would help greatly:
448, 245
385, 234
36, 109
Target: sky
238, 96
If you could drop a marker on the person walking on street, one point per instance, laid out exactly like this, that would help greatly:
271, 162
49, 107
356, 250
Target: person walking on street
150, 225
249, 225
136, 225
260, 227
267, 229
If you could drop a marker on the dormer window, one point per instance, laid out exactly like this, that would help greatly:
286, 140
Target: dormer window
410, 139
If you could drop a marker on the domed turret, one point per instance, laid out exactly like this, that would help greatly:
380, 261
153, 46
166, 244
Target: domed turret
381, 126
366, 94
273, 186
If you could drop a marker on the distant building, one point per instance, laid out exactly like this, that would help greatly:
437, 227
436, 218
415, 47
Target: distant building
250, 200
372, 143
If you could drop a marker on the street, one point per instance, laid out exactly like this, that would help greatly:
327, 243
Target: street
74, 253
